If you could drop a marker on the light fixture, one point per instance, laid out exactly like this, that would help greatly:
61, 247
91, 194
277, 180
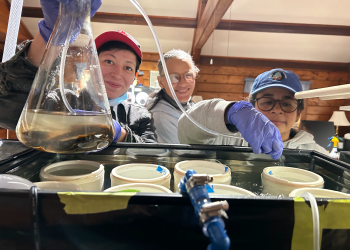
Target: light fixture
339, 119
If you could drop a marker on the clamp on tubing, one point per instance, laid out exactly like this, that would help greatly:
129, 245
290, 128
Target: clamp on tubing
209, 213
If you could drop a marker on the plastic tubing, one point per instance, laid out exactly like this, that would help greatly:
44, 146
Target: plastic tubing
63, 62
138, 6
315, 219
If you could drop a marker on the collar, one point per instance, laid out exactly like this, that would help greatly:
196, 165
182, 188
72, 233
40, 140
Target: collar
118, 100
186, 105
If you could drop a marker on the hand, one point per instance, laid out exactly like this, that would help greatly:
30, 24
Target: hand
262, 135
118, 131
50, 10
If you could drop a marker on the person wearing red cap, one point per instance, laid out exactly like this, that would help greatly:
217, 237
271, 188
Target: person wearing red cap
120, 57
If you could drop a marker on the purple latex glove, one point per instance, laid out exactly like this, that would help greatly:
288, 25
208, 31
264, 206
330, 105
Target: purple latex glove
118, 131
262, 135
50, 10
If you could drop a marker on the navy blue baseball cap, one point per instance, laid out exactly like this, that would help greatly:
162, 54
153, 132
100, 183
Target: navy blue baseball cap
276, 78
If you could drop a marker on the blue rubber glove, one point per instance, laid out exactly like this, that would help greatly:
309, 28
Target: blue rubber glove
262, 135
50, 10
118, 131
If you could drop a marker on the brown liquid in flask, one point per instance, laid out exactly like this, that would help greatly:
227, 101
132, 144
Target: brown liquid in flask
67, 109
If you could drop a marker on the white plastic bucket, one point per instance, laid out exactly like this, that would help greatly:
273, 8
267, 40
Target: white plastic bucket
88, 175
148, 152
319, 193
140, 187
283, 180
230, 190
140, 173
57, 186
221, 173
9, 181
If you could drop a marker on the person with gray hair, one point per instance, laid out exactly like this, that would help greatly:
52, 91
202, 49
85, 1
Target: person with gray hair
165, 111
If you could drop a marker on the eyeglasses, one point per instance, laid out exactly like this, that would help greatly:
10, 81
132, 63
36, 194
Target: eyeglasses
267, 104
189, 77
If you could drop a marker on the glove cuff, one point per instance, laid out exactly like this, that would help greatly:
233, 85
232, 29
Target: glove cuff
117, 131
240, 105
235, 108
45, 32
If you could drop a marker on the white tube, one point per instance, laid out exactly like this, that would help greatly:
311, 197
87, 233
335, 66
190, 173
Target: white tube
344, 108
138, 6
12, 29
336, 96
341, 89
315, 219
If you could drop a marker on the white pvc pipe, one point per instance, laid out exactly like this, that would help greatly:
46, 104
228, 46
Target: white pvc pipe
341, 89
344, 108
12, 29
337, 96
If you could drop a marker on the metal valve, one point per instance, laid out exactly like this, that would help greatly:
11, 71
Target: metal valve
198, 179
213, 209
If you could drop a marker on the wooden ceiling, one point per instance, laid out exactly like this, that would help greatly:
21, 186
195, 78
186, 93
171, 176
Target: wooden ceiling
208, 18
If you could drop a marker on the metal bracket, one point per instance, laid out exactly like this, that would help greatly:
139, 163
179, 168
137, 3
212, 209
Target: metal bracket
213, 209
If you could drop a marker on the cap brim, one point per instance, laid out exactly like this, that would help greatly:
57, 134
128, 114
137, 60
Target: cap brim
271, 86
116, 36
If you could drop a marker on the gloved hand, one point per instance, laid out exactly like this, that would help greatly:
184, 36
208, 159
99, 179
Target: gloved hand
50, 10
262, 135
118, 131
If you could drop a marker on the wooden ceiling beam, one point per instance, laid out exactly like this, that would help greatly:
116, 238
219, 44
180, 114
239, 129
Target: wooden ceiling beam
180, 22
211, 17
298, 28
272, 63
196, 53
104, 17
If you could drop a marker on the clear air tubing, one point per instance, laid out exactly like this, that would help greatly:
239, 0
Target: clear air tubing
315, 219
138, 6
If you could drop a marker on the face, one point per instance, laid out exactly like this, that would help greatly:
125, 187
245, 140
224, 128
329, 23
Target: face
183, 89
118, 71
283, 121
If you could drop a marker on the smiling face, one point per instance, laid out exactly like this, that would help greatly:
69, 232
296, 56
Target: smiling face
118, 71
183, 89
283, 121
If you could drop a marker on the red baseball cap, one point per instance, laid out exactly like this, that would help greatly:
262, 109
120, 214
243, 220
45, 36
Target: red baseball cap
121, 36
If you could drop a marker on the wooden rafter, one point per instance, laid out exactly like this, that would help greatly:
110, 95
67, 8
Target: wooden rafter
271, 63
181, 22
104, 17
200, 9
211, 17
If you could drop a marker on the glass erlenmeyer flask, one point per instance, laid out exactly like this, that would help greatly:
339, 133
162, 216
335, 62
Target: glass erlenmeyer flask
67, 109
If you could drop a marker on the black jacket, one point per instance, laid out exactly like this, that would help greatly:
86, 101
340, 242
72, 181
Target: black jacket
16, 78
136, 120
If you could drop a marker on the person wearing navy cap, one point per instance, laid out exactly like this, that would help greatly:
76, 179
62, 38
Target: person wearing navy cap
271, 110
120, 57
272, 94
